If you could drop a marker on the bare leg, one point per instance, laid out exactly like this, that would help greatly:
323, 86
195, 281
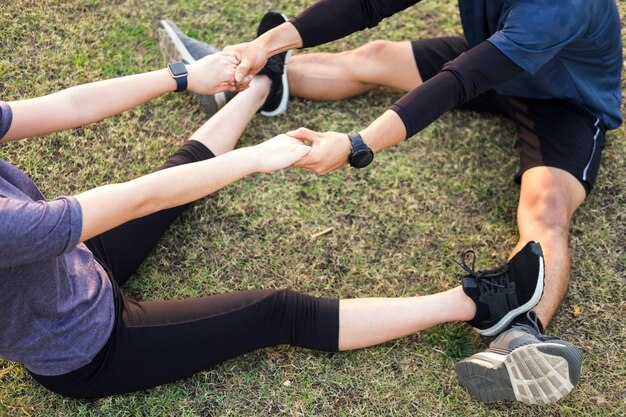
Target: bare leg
334, 76
222, 131
548, 199
369, 321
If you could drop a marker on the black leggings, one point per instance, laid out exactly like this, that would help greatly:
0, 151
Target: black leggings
157, 342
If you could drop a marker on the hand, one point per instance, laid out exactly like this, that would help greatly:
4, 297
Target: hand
213, 73
279, 152
330, 150
252, 58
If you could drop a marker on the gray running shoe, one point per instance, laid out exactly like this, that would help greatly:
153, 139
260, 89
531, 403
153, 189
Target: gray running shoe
175, 46
521, 364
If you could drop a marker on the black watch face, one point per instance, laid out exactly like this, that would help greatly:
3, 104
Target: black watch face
361, 159
178, 69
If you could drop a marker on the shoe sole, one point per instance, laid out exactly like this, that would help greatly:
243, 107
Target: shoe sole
171, 46
506, 320
173, 50
539, 374
284, 100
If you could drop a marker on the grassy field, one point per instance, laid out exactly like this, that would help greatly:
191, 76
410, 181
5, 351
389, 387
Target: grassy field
397, 226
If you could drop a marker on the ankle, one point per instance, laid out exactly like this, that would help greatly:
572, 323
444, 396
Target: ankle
464, 305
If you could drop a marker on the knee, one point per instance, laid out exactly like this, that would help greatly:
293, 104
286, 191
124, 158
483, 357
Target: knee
550, 209
375, 50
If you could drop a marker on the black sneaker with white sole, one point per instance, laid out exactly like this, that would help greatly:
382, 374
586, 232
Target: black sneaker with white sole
504, 293
176, 46
275, 69
522, 365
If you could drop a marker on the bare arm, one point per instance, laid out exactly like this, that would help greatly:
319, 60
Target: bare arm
89, 103
322, 22
106, 207
469, 75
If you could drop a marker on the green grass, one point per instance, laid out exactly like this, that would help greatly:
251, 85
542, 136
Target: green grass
396, 226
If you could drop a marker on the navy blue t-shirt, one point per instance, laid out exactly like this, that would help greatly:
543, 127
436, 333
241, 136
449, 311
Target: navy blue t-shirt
569, 49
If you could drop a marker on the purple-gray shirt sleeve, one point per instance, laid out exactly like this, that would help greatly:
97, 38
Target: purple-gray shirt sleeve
31, 231
6, 117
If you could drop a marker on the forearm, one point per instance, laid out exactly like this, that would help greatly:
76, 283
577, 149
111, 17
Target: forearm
329, 20
106, 207
279, 39
85, 104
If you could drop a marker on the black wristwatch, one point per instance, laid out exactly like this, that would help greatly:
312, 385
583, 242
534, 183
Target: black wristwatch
179, 73
361, 155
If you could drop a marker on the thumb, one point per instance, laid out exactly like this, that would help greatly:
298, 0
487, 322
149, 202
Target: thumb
300, 151
242, 70
305, 134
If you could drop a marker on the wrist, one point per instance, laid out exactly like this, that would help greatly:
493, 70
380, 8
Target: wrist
369, 137
180, 74
251, 158
168, 83
279, 39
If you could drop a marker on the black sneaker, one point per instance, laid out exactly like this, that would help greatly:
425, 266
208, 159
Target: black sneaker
275, 69
175, 46
521, 364
504, 293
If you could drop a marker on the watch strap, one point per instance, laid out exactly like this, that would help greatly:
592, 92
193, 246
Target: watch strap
356, 142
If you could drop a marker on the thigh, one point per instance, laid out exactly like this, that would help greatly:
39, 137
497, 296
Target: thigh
121, 250
558, 134
162, 341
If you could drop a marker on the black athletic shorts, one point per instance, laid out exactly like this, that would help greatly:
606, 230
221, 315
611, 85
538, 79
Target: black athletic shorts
555, 133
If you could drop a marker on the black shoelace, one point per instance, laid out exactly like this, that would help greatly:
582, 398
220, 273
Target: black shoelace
488, 279
534, 329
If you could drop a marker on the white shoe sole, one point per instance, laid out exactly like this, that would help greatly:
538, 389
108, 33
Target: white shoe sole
534, 374
171, 46
506, 320
284, 100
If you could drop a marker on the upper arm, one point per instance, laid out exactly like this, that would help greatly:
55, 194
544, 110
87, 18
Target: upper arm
31, 231
534, 32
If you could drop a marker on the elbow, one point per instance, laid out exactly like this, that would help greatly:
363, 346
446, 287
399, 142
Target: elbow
139, 201
77, 108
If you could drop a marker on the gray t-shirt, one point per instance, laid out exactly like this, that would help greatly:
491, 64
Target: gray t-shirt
56, 301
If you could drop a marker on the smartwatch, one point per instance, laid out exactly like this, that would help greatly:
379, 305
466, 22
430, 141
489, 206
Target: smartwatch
179, 73
361, 155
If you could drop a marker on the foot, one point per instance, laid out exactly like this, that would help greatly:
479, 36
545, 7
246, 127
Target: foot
521, 364
275, 69
175, 46
504, 293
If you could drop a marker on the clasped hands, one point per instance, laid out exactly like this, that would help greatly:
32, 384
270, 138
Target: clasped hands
227, 71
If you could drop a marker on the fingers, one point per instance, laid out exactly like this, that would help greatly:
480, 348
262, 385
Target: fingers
242, 71
305, 134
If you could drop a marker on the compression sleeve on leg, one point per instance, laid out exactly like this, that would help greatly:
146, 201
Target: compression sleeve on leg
469, 75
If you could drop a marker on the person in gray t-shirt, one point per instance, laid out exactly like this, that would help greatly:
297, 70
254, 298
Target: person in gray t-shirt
62, 313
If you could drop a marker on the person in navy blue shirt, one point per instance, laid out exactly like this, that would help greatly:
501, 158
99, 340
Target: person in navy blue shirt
553, 66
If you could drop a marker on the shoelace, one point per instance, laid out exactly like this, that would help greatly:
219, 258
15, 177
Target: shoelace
534, 330
484, 278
